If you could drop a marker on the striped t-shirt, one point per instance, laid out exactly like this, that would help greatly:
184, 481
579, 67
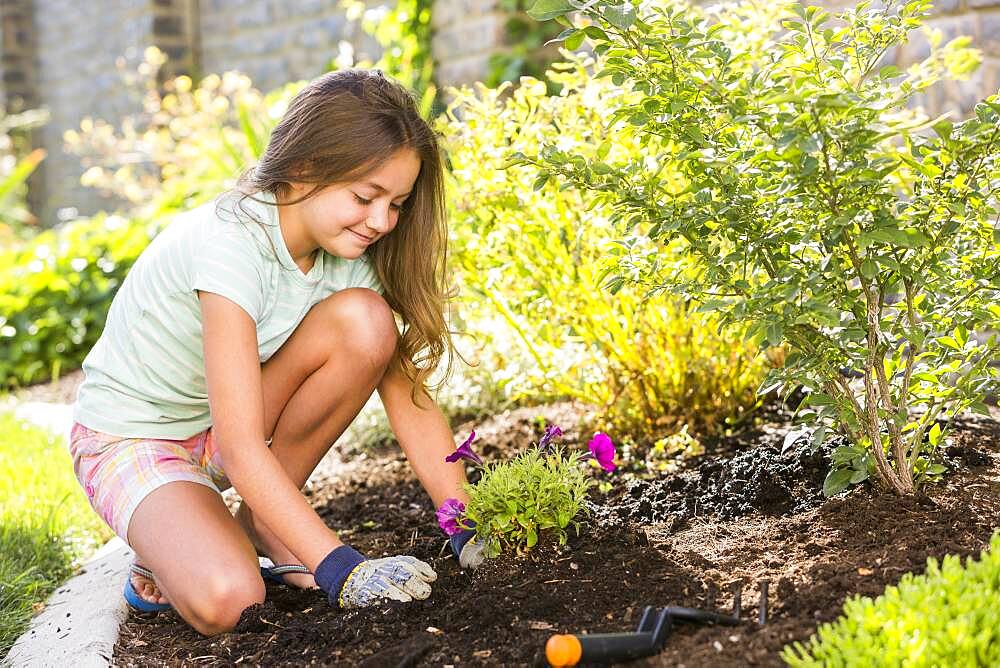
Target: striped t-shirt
145, 376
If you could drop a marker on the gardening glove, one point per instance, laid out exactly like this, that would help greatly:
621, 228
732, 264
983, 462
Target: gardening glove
469, 552
352, 581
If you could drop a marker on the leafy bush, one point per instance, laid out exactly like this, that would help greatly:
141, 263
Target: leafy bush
530, 257
55, 292
808, 202
946, 617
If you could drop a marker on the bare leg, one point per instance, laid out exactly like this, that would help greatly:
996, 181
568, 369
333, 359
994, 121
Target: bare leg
314, 386
204, 563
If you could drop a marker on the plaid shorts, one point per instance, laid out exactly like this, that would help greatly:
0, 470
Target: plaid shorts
117, 473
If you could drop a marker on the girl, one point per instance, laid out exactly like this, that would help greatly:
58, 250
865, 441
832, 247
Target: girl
247, 337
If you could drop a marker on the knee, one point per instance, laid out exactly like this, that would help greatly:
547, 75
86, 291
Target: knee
365, 324
222, 600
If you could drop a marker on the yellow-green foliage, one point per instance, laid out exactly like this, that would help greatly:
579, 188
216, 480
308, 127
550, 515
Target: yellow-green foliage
532, 493
947, 617
17, 162
531, 258
55, 292
191, 142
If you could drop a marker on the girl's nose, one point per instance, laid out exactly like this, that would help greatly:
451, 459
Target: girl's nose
379, 222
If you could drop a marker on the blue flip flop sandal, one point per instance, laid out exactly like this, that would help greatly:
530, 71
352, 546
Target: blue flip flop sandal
136, 602
277, 572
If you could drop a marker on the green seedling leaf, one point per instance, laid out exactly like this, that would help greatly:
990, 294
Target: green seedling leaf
544, 10
791, 437
837, 481
621, 16
574, 41
950, 342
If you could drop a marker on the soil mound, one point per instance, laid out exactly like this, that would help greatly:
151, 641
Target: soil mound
761, 480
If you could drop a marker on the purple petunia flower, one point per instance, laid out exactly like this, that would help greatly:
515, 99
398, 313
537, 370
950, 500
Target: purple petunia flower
464, 451
551, 432
603, 450
448, 515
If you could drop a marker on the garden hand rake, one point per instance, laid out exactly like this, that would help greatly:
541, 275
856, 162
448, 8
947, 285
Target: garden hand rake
648, 638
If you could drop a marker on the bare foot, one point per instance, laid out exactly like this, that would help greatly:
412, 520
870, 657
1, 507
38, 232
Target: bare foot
268, 545
146, 588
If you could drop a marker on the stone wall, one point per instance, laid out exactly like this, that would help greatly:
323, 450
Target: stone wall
79, 45
86, 48
276, 41
17, 54
466, 34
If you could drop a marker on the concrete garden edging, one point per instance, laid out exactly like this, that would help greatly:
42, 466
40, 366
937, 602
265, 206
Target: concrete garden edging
80, 623
81, 620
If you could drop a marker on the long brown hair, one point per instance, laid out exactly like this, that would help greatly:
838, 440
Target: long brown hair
338, 128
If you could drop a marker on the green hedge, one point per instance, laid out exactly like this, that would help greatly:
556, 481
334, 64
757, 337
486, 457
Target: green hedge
55, 292
950, 616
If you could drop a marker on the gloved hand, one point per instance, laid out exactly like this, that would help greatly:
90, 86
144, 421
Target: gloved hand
352, 581
469, 552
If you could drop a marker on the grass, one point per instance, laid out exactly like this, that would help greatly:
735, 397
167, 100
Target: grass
46, 524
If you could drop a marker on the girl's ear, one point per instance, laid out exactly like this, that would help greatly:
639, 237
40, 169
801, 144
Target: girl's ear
295, 182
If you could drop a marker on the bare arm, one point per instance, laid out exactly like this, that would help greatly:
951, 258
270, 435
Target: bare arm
424, 435
232, 372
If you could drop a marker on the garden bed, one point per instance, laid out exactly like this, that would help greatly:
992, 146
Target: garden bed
648, 543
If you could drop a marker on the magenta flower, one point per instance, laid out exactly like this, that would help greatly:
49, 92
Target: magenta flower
603, 450
552, 431
449, 514
464, 451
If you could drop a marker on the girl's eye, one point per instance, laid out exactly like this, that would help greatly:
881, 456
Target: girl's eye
396, 207
362, 200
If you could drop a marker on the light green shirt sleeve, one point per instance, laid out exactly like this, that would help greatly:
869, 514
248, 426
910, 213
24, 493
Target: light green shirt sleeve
229, 264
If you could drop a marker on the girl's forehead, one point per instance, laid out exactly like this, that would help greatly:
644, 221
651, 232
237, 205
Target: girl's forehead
396, 175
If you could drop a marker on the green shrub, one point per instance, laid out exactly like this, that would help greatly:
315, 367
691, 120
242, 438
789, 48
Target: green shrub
947, 617
55, 292
530, 258
811, 204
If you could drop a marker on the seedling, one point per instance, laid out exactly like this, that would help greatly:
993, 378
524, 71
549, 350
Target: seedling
541, 489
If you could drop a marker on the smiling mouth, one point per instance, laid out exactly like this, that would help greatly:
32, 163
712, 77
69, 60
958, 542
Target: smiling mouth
367, 240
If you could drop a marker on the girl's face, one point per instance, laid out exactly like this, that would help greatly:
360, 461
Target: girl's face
345, 218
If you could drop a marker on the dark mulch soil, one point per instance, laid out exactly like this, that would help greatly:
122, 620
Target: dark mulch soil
683, 538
